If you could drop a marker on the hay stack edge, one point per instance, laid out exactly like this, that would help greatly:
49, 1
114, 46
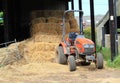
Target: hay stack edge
45, 35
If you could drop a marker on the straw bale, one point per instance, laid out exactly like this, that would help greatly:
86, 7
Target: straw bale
39, 51
60, 20
42, 37
50, 13
34, 51
37, 28
70, 15
38, 20
67, 27
73, 23
46, 13
11, 54
58, 13
52, 28
43, 47
36, 14
75, 30
52, 20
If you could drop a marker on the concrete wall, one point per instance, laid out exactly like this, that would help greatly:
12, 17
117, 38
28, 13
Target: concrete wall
99, 28
107, 41
118, 8
119, 43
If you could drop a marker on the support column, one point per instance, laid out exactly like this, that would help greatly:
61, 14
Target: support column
80, 4
72, 4
103, 36
116, 33
92, 21
112, 29
80, 17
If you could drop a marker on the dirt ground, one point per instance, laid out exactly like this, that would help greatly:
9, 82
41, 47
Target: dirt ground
42, 68
54, 73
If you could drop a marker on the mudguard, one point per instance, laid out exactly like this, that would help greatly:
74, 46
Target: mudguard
65, 47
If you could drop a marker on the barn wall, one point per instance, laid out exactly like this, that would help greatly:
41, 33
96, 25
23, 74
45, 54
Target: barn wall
104, 23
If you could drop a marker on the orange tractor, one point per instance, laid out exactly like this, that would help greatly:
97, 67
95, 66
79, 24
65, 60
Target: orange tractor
76, 48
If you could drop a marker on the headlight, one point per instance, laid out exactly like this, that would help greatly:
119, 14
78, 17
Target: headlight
86, 46
91, 45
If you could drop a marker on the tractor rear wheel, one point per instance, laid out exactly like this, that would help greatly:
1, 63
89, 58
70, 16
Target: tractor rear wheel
71, 63
99, 61
60, 57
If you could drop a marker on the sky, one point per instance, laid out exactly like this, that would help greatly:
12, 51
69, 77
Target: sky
100, 7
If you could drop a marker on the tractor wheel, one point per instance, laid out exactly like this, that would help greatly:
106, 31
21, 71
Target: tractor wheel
83, 63
60, 57
71, 63
99, 61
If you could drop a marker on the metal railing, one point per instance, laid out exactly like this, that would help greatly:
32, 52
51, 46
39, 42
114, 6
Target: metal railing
13, 58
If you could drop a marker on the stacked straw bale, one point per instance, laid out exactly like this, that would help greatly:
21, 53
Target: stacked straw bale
53, 28
46, 13
49, 21
38, 20
52, 20
73, 23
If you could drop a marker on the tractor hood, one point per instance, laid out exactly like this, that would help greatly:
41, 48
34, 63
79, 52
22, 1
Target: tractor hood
84, 41
84, 45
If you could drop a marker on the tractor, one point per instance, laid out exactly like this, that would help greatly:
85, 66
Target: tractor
76, 48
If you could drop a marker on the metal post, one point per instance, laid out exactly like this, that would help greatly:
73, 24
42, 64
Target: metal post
80, 17
72, 4
112, 29
92, 21
116, 34
103, 36
80, 4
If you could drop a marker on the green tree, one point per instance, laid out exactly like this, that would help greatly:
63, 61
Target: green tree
87, 32
1, 18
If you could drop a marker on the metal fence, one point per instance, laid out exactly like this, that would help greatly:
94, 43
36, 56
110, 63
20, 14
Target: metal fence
10, 54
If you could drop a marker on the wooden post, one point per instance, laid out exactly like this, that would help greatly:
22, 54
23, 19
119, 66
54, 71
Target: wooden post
92, 21
112, 29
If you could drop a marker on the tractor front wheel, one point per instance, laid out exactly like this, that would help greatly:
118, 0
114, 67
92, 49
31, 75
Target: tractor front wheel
71, 63
99, 61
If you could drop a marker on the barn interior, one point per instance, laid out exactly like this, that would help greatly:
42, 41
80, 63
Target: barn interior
17, 20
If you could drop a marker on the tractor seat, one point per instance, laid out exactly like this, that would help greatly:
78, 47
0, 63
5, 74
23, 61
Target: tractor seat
72, 36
